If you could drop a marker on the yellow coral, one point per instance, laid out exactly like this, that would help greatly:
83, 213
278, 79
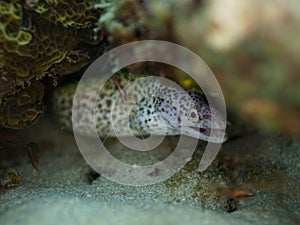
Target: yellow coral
69, 13
21, 54
29, 52
11, 33
38, 38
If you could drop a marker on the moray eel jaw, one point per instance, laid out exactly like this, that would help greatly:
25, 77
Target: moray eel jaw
206, 134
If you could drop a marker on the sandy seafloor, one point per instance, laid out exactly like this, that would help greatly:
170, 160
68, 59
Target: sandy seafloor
269, 165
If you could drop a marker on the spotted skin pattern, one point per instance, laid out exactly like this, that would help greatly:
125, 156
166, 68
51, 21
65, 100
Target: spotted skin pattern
137, 107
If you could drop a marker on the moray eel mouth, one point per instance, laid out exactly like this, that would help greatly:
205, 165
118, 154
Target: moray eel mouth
213, 135
216, 133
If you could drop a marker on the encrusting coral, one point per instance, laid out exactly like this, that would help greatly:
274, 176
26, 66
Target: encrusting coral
39, 38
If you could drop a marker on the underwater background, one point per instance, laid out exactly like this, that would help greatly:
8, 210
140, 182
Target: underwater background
251, 46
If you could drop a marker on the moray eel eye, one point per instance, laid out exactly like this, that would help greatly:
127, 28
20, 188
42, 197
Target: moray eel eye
193, 115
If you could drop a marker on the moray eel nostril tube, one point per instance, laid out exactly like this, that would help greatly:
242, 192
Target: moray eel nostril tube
142, 108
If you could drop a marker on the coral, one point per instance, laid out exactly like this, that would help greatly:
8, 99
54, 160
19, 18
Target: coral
123, 21
70, 13
39, 38
11, 35
30, 53
22, 108
7, 84
35, 58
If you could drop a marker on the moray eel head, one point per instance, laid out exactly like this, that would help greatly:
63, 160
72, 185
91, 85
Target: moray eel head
178, 113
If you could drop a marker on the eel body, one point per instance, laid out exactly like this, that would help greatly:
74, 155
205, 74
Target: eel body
130, 104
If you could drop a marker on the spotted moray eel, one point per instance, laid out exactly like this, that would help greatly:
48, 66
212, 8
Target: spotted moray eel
137, 106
